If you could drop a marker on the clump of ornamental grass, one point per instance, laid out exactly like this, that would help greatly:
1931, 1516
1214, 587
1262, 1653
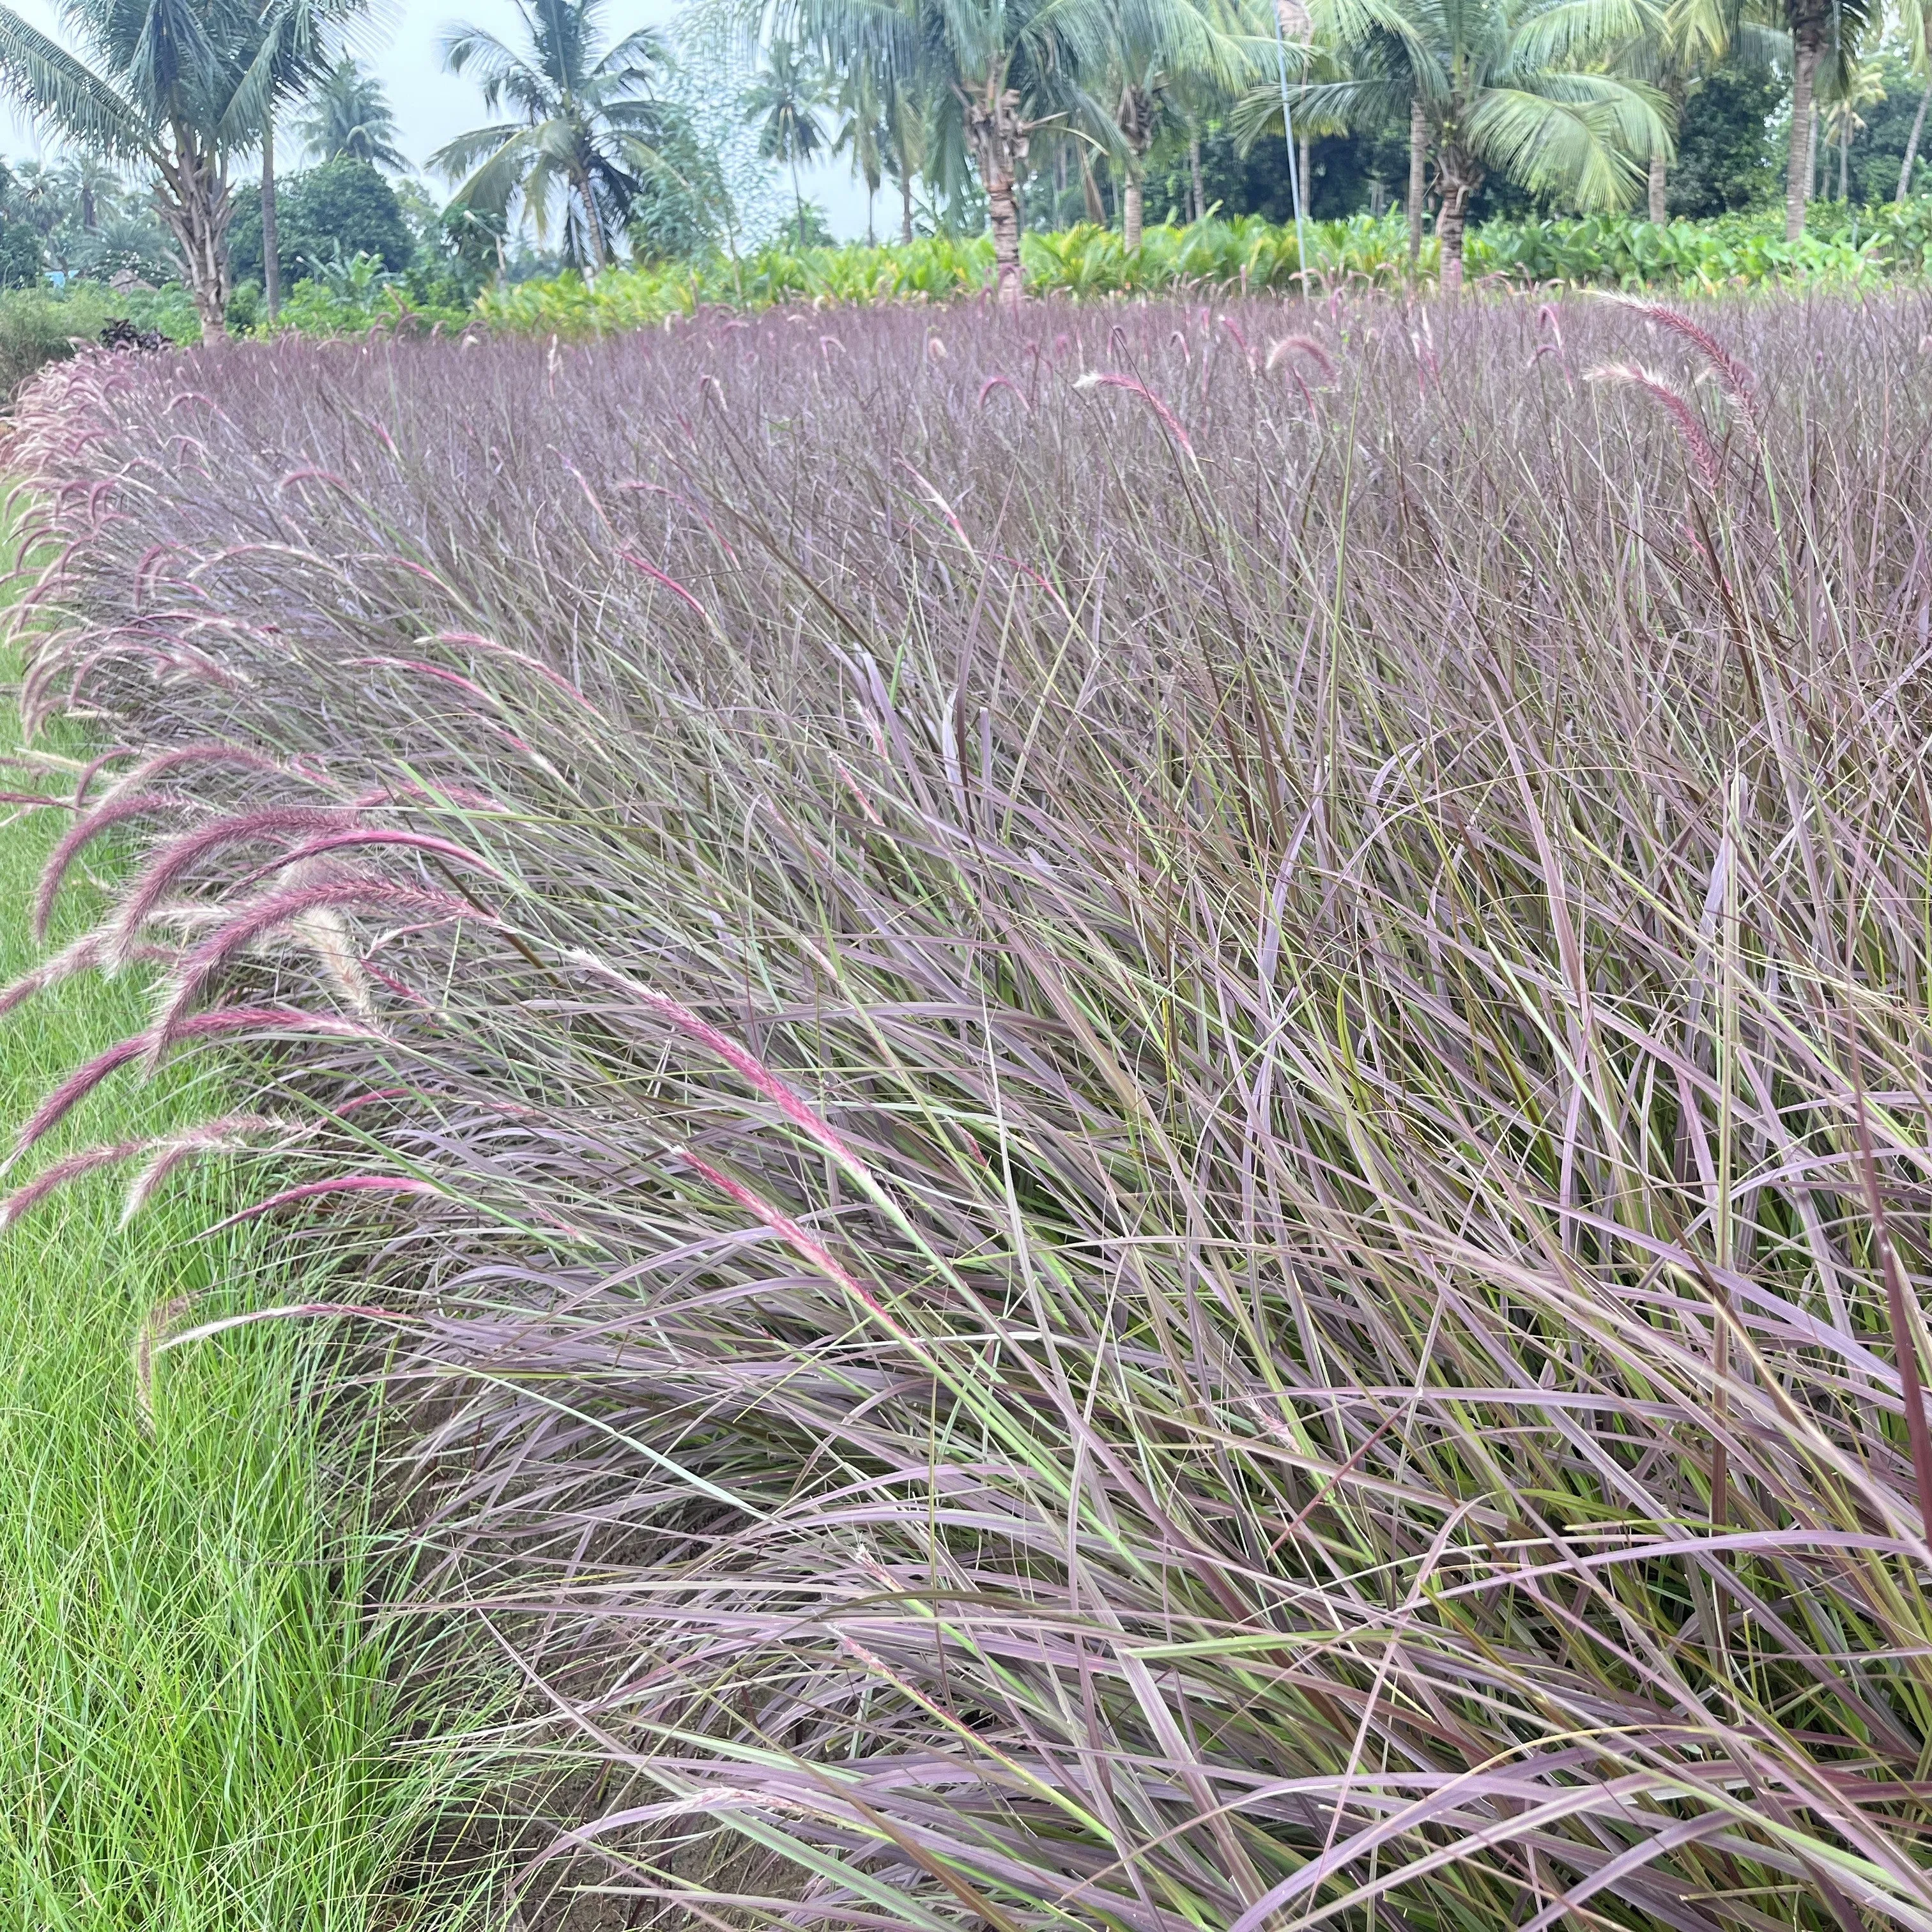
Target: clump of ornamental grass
1158, 1159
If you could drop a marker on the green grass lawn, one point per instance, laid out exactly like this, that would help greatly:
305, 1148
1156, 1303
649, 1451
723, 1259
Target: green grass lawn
197, 1730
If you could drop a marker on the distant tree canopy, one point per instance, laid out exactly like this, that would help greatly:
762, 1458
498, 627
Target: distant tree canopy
1725, 162
342, 209
21, 263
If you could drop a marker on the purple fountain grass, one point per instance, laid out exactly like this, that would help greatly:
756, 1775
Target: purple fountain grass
359, 838
402, 1186
268, 1021
735, 1056
88, 953
247, 925
171, 762
232, 1133
1735, 379
121, 810
166, 865
50, 1179
1158, 1190
1697, 445
1280, 350
1108, 379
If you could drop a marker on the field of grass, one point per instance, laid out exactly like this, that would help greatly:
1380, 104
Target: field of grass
199, 1731
1140, 1090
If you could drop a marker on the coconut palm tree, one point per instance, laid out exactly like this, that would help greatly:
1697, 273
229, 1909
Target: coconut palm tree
179, 86
583, 124
1003, 70
1915, 20
782, 102
95, 185
1820, 30
1512, 88
863, 134
1678, 47
1152, 53
349, 116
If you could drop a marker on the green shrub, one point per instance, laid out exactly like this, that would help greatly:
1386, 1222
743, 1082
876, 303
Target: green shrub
1840, 248
342, 208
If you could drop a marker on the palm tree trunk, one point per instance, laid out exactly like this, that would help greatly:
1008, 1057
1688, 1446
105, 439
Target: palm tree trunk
271, 259
798, 197
1418, 163
1912, 143
1130, 212
998, 137
1200, 186
1090, 190
1307, 192
1660, 211
191, 197
905, 206
1845, 157
1808, 46
1458, 178
593, 229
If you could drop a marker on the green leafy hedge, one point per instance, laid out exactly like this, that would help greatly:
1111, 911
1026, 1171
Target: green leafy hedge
1841, 248
41, 324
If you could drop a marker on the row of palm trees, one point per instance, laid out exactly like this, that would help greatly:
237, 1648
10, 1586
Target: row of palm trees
1578, 99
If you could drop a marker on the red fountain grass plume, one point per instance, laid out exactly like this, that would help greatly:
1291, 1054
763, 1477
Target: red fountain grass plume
178, 855
85, 954
1106, 378
1734, 377
1284, 346
1696, 443
222, 1021
200, 756
273, 911
23, 1200
734, 1055
111, 812
357, 838
236, 1133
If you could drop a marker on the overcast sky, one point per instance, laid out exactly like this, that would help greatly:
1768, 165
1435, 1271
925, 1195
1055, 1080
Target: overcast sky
432, 106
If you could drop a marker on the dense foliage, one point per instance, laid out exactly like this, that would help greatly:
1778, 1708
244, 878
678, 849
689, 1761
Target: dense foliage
1842, 247
325, 214
1141, 1095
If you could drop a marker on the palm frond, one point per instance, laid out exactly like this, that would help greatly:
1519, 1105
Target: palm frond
54, 88
1580, 147
472, 153
1572, 32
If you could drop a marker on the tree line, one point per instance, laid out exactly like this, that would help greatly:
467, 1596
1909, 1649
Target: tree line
983, 113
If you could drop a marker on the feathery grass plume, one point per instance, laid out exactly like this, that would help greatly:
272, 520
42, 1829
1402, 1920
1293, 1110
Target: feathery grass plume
86, 954
1734, 378
361, 1185
1108, 379
165, 866
70, 1092
234, 1133
23, 1200
270, 1021
1697, 445
171, 761
112, 811
246, 925
747, 1064
1282, 347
